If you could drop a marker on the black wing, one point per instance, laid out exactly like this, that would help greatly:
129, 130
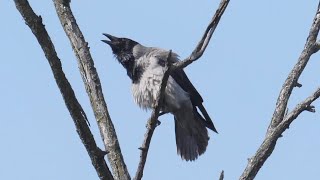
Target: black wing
182, 79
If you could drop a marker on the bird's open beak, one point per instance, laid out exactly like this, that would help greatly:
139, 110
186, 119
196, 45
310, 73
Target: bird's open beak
113, 39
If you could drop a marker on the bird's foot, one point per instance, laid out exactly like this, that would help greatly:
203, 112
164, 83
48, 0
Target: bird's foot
158, 123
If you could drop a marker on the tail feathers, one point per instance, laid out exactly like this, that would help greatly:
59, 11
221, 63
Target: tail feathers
191, 136
207, 120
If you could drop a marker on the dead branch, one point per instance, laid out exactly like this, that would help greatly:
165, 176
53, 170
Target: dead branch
78, 115
292, 80
203, 43
303, 106
93, 88
221, 175
280, 120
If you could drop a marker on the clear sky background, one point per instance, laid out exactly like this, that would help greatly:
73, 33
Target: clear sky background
239, 76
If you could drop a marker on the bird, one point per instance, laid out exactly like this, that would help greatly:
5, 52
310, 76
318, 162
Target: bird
145, 67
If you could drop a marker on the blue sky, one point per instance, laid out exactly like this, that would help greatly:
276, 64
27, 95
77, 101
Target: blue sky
239, 76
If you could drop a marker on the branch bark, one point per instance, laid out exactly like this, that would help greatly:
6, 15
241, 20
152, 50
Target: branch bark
203, 43
78, 115
221, 175
93, 88
281, 120
292, 80
196, 54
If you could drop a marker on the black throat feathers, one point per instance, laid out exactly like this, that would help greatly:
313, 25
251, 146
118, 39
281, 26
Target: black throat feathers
133, 71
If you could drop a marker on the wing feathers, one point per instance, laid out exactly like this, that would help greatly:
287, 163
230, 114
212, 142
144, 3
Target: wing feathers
182, 79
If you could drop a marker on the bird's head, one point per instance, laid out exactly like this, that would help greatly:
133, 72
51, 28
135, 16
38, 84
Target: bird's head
121, 47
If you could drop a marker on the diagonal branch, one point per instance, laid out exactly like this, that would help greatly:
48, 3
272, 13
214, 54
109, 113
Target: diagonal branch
268, 145
221, 175
78, 115
280, 120
93, 88
292, 80
196, 54
203, 43
303, 106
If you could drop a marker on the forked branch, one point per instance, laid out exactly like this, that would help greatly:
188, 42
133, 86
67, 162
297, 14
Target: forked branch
282, 120
311, 46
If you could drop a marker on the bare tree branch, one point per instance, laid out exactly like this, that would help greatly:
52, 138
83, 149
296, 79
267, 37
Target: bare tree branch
221, 175
196, 54
78, 115
280, 120
93, 88
303, 106
292, 80
268, 145
317, 47
203, 43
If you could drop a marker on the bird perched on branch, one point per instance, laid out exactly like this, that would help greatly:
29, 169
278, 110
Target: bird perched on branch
145, 66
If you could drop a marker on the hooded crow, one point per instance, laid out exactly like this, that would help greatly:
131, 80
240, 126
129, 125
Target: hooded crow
145, 67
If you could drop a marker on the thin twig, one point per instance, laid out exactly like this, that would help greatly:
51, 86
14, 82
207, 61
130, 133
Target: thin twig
221, 175
280, 120
196, 54
303, 106
203, 43
78, 115
93, 87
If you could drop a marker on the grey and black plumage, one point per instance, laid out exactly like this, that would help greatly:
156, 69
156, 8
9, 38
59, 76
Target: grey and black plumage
145, 67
